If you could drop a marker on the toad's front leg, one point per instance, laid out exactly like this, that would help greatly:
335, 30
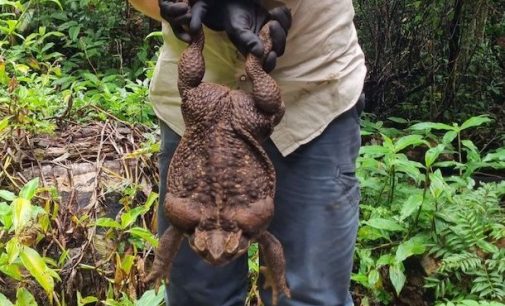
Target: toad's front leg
168, 246
275, 271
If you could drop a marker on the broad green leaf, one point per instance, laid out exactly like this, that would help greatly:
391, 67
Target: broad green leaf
469, 303
4, 123
373, 278
377, 168
388, 142
4, 301
499, 155
91, 77
411, 205
359, 278
84, 301
397, 120
402, 159
438, 185
472, 151
28, 190
107, 222
384, 260
365, 257
449, 137
475, 121
150, 200
13, 248
406, 141
73, 32
411, 168
152, 298
131, 216
366, 232
25, 298
37, 267
3, 258
5, 215
144, 234
432, 154
384, 224
397, 277
22, 209
7, 195
414, 246
127, 263
470, 145
431, 125
374, 150
448, 163
12, 271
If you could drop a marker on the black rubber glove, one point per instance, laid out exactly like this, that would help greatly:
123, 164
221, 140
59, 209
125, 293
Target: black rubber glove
242, 21
183, 20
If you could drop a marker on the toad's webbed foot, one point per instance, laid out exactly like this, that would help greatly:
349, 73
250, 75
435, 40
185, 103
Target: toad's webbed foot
165, 253
275, 270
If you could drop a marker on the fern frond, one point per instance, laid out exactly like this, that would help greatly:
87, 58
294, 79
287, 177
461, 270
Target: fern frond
465, 262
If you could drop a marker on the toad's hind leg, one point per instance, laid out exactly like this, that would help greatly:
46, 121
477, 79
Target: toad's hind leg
191, 66
165, 253
266, 92
275, 270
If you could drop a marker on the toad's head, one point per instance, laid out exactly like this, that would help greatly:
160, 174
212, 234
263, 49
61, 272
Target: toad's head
218, 243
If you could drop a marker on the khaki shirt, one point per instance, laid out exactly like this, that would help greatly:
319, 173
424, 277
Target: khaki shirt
321, 74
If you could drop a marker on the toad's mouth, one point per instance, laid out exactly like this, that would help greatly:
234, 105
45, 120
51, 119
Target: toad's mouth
218, 246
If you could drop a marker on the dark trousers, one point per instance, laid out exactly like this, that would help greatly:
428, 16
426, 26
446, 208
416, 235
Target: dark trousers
316, 220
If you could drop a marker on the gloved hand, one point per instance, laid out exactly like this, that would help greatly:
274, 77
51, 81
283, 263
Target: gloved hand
183, 20
242, 21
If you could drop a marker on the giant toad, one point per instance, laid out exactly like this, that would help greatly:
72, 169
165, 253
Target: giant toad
221, 182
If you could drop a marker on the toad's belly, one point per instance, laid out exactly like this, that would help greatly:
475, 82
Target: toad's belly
220, 168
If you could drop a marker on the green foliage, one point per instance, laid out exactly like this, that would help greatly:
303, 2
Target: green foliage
23, 298
467, 302
137, 235
24, 225
149, 297
16, 254
53, 68
410, 209
469, 228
